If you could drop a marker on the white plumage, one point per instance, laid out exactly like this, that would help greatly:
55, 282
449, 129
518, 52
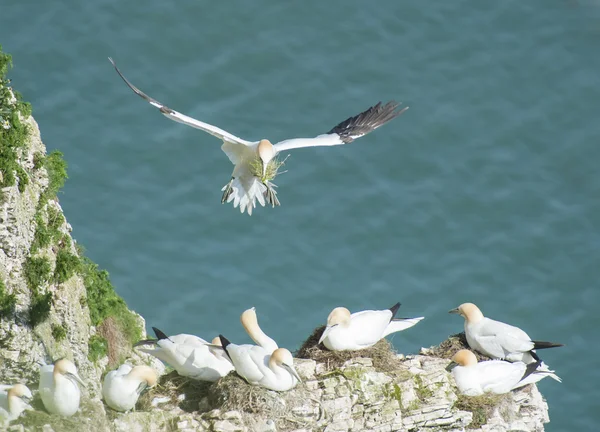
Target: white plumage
258, 366
496, 339
189, 355
247, 186
58, 388
14, 399
122, 387
493, 376
363, 329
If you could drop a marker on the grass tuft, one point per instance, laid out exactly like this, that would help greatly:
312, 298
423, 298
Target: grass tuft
67, 265
37, 272
8, 302
451, 346
39, 310
59, 332
481, 407
97, 348
385, 359
256, 168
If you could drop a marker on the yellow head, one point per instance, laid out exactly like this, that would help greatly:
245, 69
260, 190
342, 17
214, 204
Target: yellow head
266, 152
469, 312
145, 373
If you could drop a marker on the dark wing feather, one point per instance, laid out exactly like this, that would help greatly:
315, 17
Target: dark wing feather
367, 121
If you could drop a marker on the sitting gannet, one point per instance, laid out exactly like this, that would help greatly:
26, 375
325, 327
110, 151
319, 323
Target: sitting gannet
256, 162
58, 387
123, 387
493, 376
361, 330
191, 356
258, 366
496, 339
14, 399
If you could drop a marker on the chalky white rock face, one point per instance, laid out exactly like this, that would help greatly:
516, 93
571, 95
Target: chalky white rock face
420, 395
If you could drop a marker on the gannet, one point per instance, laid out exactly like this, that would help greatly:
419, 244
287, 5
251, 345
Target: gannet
123, 387
191, 356
496, 339
493, 376
361, 330
274, 371
256, 162
250, 324
58, 387
14, 399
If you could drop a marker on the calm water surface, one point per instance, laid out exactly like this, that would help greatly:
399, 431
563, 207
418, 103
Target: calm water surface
486, 190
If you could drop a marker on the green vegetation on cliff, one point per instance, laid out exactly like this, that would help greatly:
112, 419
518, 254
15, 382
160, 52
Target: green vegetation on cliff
117, 327
13, 133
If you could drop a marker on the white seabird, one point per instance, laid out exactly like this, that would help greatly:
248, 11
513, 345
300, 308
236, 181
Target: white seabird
496, 339
14, 399
191, 356
256, 162
363, 329
493, 376
274, 371
122, 387
58, 388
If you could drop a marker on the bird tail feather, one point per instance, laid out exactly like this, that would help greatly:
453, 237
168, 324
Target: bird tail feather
400, 324
245, 192
543, 345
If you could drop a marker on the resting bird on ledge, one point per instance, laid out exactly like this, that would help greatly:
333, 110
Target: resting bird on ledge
256, 162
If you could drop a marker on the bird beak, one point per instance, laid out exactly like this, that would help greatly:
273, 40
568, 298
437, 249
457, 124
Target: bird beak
291, 370
451, 366
325, 333
26, 399
76, 378
454, 311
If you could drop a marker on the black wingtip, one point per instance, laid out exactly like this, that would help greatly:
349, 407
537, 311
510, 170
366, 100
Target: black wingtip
543, 345
159, 334
225, 343
531, 368
367, 121
534, 355
394, 309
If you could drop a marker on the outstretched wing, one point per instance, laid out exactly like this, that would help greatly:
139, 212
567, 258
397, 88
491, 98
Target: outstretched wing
182, 118
348, 130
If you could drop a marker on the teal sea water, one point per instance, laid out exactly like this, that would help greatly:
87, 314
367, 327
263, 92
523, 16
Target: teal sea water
486, 190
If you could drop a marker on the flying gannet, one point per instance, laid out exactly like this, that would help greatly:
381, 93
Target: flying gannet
122, 387
363, 329
256, 162
14, 399
258, 366
496, 339
191, 356
493, 376
58, 388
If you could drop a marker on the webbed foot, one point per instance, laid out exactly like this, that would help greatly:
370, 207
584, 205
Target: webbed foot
228, 190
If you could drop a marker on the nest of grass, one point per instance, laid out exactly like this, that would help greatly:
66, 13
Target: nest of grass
451, 346
482, 407
256, 168
173, 385
385, 359
232, 392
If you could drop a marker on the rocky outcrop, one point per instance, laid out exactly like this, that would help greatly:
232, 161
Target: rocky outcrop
55, 303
